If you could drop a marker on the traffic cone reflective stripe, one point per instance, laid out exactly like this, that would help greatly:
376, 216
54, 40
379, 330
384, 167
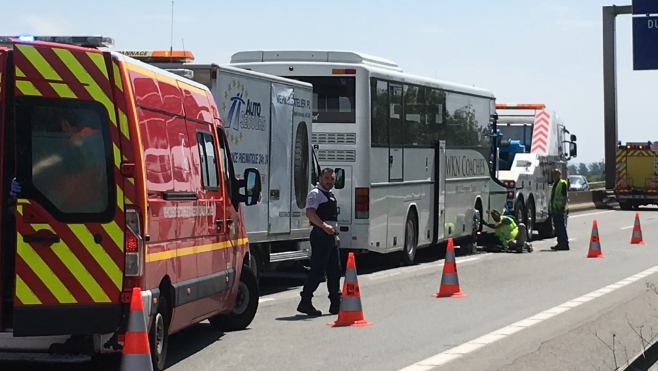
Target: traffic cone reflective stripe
351, 311
449, 280
636, 238
594, 243
136, 350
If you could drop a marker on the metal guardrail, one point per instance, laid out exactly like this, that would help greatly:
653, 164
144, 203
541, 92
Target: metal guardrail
596, 185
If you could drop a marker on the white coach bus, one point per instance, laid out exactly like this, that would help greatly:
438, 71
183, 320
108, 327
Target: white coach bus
416, 151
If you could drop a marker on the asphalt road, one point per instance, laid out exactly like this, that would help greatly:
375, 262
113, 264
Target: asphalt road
415, 331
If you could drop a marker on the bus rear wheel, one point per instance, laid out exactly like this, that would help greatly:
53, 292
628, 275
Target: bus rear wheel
410, 240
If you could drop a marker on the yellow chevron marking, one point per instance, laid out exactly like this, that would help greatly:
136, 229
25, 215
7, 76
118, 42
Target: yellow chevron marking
24, 293
90, 84
117, 156
117, 76
120, 198
39, 62
98, 253
63, 90
27, 88
43, 271
116, 233
99, 61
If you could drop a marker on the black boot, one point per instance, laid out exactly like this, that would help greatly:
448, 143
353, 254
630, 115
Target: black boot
335, 305
306, 307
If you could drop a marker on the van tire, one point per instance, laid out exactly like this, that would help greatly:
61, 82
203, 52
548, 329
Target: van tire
159, 335
246, 304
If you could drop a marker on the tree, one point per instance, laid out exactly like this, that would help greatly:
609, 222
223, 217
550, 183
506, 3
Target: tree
582, 169
573, 169
594, 168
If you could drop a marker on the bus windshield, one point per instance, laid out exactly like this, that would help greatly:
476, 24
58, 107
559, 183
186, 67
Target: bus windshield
333, 99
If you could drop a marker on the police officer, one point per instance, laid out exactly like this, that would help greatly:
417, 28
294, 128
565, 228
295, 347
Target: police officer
321, 210
507, 232
559, 210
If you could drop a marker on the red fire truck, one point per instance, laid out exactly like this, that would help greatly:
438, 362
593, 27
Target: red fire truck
125, 181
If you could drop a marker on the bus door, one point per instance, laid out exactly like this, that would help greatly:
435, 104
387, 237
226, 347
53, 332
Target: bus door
440, 183
280, 164
395, 132
70, 223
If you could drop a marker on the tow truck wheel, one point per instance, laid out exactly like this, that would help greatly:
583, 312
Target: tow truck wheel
410, 240
159, 335
530, 219
519, 212
246, 304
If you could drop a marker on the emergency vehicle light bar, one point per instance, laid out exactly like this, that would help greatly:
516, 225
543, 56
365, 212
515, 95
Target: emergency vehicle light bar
634, 145
85, 41
160, 56
520, 106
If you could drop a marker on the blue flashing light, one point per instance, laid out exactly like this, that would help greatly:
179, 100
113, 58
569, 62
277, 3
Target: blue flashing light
619, 142
26, 38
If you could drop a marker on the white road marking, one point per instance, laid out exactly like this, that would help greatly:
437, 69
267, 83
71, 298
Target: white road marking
589, 214
629, 227
263, 300
380, 275
473, 345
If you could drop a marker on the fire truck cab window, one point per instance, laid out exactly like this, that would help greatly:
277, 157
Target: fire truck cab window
208, 160
67, 146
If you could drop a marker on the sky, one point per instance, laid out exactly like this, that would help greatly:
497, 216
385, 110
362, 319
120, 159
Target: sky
547, 51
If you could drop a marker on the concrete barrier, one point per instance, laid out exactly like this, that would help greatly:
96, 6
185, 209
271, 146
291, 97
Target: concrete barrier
587, 200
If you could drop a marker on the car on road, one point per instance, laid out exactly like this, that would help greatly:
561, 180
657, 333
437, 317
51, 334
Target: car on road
578, 183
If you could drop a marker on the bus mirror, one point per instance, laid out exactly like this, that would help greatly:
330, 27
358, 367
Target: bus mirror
573, 149
252, 187
340, 178
573, 137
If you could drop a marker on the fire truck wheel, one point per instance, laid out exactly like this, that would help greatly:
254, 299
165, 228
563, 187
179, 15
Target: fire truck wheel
159, 335
625, 205
246, 304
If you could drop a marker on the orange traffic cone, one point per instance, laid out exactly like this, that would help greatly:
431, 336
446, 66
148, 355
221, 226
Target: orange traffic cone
350, 312
636, 238
449, 287
594, 243
136, 351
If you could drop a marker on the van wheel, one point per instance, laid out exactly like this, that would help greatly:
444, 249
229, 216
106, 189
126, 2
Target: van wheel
159, 335
410, 240
246, 304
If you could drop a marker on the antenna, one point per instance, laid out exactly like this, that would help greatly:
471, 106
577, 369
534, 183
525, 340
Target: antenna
171, 47
183, 40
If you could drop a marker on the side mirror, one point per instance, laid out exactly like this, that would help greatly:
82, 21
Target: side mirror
573, 149
340, 178
573, 137
252, 187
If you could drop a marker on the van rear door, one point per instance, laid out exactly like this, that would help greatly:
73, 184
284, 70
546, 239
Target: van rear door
69, 216
6, 254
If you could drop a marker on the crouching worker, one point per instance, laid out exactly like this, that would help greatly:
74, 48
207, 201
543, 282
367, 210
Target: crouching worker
511, 235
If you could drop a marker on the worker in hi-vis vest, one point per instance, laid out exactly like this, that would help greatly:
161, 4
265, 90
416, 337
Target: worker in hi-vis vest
511, 235
559, 210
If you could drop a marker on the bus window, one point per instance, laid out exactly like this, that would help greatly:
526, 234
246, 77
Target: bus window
333, 99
